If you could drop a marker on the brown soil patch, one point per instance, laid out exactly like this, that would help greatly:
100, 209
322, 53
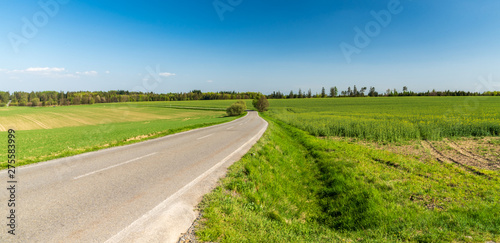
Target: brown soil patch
480, 153
141, 137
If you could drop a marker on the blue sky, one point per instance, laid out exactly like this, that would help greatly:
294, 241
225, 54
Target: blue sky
243, 45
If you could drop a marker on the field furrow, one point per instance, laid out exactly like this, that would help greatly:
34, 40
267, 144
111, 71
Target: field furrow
36, 122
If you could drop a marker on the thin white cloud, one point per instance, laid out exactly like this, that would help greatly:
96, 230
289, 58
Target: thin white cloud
107, 72
87, 73
44, 69
38, 70
50, 72
166, 74
210, 81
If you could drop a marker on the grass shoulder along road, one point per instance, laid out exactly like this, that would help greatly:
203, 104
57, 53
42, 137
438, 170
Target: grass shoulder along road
294, 187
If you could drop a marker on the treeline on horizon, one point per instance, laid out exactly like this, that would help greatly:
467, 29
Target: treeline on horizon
51, 98
371, 92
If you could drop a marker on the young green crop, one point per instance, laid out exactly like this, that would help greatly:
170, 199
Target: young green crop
393, 118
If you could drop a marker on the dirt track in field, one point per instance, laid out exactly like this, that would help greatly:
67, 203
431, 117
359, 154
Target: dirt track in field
471, 153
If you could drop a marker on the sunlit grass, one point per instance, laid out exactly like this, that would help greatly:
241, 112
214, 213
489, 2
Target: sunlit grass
294, 187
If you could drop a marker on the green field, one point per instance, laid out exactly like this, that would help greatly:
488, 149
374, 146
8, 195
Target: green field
297, 186
393, 118
31, 118
52, 132
382, 118
202, 104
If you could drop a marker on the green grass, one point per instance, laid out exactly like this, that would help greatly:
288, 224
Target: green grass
268, 196
393, 118
294, 187
30, 118
221, 104
37, 145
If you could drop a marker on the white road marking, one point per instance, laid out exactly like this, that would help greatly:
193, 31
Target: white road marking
113, 166
230, 127
55, 161
160, 207
205, 136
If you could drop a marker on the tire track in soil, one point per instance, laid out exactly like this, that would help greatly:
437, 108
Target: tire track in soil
36, 122
71, 118
485, 162
446, 159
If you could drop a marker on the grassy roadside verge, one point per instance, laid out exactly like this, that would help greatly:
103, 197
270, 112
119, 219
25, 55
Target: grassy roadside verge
34, 146
269, 195
293, 187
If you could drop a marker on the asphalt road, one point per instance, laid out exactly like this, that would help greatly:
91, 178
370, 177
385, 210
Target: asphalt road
144, 192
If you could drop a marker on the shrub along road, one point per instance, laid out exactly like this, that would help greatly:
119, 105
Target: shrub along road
140, 192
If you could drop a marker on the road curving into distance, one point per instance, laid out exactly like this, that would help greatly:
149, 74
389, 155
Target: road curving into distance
143, 192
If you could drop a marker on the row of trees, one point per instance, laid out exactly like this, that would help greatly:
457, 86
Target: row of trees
372, 92
49, 98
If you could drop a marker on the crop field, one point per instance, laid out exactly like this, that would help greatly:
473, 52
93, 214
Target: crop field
324, 173
202, 104
393, 118
29, 118
51, 132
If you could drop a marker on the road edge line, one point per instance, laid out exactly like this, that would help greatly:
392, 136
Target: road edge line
160, 207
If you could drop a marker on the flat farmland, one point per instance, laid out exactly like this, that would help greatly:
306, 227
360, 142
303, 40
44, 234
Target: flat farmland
29, 118
460, 130
386, 169
201, 104
390, 119
46, 133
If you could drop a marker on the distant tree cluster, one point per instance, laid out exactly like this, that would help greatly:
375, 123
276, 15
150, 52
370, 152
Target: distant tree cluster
4, 98
51, 98
372, 92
